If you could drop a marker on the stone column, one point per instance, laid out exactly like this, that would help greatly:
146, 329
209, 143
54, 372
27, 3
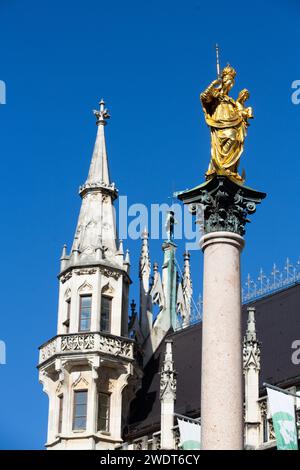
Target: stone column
221, 383
225, 206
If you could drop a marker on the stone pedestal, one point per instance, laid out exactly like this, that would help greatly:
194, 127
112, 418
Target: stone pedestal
225, 206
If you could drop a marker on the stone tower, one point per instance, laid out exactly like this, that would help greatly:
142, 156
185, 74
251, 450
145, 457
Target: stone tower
86, 367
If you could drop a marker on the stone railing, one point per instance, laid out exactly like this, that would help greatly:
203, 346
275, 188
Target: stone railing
90, 342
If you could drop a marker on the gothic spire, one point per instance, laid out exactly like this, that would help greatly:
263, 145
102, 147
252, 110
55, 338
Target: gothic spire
95, 236
99, 171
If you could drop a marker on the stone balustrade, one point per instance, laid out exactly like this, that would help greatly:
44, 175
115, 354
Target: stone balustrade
87, 342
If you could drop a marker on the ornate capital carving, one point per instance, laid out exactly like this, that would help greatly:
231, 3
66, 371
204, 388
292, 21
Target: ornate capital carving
226, 204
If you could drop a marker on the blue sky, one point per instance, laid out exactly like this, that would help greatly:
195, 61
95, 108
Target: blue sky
149, 61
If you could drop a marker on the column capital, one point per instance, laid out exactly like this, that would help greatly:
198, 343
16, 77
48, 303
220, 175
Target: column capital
225, 204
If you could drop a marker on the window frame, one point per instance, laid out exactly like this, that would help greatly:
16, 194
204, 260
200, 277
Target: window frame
85, 390
109, 298
107, 419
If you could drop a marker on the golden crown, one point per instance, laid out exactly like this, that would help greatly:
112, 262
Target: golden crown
228, 71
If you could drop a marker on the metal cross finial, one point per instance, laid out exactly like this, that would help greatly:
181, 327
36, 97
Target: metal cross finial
102, 115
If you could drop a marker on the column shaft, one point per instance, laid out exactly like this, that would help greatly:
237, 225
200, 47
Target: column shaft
221, 387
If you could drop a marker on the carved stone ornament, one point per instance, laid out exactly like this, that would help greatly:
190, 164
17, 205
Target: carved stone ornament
108, 289
109, 272
251, 355
80, 382
66, 277
168, 382
86, 342
85, 271
85, 288
48, 350
263, 407
226, 204
77, 342
115, 346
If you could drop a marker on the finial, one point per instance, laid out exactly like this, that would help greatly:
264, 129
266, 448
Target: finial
145, 234
155, 267
186, 256
102, 115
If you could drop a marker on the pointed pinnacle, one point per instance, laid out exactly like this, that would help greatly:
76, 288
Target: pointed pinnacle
64, 252
121, 250
127, 257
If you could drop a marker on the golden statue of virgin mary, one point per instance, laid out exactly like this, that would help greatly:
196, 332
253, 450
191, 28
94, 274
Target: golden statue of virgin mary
228, 121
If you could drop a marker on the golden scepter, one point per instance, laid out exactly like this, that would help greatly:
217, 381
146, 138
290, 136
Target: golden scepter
218, 63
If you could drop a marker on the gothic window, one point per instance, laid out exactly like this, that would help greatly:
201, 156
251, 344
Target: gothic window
85, 313
80, 410
105, 313
60, 413
103, 411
